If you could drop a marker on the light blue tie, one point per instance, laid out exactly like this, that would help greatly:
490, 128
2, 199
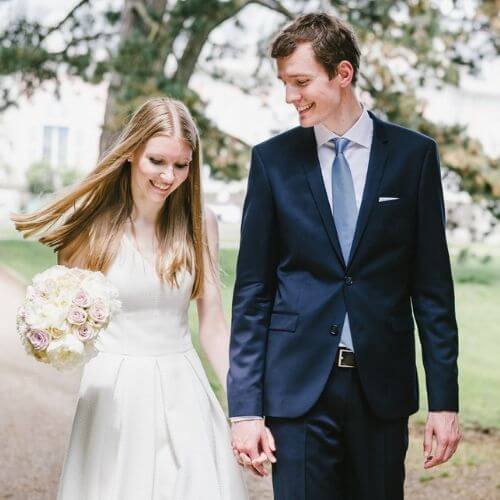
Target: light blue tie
345, 213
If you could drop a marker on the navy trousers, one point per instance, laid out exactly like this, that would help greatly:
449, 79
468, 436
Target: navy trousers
339, 450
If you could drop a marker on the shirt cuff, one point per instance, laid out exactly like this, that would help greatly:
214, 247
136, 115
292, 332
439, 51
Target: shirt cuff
241, 419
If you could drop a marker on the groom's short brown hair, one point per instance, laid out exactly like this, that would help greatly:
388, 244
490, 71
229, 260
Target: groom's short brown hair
332, 39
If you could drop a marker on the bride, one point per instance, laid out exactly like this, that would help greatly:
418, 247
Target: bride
147, 424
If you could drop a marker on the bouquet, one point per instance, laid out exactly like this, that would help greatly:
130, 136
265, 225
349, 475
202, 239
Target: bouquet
64, 311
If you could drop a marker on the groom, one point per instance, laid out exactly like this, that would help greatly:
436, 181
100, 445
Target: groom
342, 238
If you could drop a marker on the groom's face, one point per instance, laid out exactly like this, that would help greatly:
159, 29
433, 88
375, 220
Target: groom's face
308, 87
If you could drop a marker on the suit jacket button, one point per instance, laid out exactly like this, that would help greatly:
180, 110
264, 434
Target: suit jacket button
348, 280
334, 330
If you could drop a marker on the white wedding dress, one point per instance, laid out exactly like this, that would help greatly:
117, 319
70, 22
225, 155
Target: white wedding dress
147, 424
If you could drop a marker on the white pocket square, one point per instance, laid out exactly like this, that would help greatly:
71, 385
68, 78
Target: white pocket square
387, 198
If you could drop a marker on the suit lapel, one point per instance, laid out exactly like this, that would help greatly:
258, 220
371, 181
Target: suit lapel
308, 157
376, 164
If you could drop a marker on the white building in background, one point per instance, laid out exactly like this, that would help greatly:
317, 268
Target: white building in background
63, 132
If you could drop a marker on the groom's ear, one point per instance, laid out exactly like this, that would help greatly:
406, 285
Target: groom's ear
345, 73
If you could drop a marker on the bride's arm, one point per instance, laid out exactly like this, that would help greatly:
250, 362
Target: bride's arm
214, 333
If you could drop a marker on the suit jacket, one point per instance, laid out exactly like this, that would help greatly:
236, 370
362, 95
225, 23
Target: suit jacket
293, 287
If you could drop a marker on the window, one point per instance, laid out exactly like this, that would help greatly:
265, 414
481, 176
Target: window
55, 145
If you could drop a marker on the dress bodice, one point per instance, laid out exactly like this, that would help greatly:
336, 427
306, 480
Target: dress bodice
153, 320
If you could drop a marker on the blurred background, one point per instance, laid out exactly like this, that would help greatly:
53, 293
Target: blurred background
71, 72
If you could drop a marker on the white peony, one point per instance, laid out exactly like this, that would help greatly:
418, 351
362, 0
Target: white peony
66, 352
53, 316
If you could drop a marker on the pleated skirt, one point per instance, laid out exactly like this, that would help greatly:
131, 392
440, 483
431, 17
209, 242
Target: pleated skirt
149, 428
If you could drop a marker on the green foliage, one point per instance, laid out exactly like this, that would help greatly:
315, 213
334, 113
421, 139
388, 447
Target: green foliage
25, 53
478, 269
26, 258
431, 48
40, 178
69, 176
405, 45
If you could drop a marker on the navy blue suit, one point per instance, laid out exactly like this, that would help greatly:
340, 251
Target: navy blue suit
293, 287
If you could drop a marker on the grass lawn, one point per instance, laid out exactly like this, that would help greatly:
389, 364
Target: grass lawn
477, 302
25, 258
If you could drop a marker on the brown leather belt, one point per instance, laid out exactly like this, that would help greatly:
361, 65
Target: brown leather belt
345, 358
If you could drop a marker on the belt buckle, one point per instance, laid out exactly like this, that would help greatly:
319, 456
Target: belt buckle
341, 358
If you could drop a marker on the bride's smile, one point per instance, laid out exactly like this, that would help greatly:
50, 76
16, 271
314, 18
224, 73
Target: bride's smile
159, 168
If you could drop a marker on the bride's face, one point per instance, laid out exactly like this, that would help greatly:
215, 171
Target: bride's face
160, 167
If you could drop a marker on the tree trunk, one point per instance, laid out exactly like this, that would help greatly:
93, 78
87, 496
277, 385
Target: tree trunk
164, 38
136, 18
107, 133
129, 23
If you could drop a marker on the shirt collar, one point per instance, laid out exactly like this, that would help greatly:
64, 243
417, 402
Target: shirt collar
360, 132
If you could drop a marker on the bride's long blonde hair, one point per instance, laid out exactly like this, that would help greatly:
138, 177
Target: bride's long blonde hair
89, 220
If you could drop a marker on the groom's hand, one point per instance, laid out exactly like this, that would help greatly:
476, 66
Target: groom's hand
253, 445
442, 435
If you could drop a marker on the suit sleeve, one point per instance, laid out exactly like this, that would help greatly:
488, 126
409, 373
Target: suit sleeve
253, 295
432, 294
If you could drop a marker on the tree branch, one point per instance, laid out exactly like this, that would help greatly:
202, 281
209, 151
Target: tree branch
69, 15
276, 6
198, 37
88, 38
191, 53
7, 102
204, 26
154, 27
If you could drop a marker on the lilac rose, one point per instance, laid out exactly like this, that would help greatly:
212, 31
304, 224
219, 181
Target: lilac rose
81, 299
85, 332
77, 316
98, 311
39, 339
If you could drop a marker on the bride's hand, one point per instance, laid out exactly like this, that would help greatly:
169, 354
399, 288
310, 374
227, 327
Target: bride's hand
253, 445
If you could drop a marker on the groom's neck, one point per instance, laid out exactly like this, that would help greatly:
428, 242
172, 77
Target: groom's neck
345, 115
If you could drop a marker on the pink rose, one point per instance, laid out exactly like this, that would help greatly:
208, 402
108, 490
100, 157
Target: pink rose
81, 299
39, 339
85, 332
77, 316
98, 311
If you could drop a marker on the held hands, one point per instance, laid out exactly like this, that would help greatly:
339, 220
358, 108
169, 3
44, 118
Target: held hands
253, 445
442, 435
